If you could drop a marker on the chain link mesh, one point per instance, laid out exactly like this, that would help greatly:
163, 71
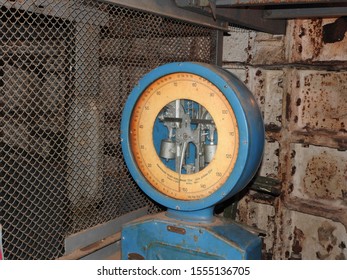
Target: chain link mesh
66, 69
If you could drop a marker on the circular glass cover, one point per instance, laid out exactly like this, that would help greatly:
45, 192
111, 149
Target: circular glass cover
184, 136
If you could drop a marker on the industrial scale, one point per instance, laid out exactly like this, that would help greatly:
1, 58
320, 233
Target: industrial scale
192, 137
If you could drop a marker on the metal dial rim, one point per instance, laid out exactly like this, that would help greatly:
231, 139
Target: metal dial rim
251, 138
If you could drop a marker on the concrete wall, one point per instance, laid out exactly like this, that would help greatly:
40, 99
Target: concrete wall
300, 82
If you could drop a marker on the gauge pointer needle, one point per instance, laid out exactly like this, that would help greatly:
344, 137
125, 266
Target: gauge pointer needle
185, 143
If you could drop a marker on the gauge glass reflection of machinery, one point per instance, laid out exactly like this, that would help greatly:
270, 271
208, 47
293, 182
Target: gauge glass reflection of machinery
192, 137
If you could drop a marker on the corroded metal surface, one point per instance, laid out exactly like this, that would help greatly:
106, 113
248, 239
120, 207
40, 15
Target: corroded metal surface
306, 147
307, 44
316, 183
311, 237
318, 106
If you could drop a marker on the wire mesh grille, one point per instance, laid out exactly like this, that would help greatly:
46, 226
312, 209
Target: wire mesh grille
66, 69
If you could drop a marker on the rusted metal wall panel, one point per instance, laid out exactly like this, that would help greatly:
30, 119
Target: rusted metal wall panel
254, 48
310, 237
320, 100
302, 92
319, 173
307, 43
267, 87
318, 106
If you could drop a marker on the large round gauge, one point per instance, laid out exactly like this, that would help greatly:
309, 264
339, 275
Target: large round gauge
192, 135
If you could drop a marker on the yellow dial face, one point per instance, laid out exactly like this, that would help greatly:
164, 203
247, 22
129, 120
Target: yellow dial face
198, 118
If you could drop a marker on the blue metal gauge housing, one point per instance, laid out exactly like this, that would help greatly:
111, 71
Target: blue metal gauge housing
192, 136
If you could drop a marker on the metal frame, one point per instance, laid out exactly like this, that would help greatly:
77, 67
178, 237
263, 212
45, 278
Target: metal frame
305, 12
273, 2
249, 18
261, 15
252, 19
168, 8
265, 15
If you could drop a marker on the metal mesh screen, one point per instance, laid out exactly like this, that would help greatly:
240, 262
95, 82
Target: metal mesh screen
66, 69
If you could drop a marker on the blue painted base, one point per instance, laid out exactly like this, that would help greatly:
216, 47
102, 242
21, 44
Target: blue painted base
161, 237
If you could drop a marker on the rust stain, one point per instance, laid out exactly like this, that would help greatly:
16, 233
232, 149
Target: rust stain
262, 99
288, 107
297, 84
247, 76
300, 48
298, 101
258, 73
302, 32
342, 245
135, 256
293, 170
315, 33
297, 246
321, 103
307, 43
249, 48
290, 188
272, 127
176, 229
293, 154
328, 241
324, 178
